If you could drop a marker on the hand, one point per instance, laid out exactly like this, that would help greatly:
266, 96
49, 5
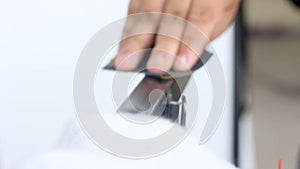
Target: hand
211, 17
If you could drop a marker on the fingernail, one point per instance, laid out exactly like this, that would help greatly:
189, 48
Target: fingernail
181, 63
156, 64
160, 62
125, 62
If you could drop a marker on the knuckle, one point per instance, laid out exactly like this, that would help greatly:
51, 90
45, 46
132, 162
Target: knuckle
177, 12
166, 42
232, 5
202, 16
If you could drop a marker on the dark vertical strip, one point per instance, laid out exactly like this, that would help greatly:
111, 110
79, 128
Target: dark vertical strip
299, 160
239, 74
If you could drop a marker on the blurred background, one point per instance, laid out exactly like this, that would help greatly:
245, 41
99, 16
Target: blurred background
273, 55
40, 41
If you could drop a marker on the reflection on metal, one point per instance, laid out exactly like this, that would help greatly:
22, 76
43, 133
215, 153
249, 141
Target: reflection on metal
157, 97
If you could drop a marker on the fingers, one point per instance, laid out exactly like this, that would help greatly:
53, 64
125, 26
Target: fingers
211, 20
130, 52
229, 11
196, 35
192, 46
169, 33
137, 25
178, 45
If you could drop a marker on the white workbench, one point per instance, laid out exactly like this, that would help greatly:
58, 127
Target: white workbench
40, 41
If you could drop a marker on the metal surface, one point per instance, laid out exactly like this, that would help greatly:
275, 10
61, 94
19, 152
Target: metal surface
158, 97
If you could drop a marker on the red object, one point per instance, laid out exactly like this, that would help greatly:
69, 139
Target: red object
280, 164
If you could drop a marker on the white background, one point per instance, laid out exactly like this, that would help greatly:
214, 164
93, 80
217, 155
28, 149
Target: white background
40, 41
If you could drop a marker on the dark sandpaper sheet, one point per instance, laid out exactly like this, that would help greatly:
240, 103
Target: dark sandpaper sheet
169, 75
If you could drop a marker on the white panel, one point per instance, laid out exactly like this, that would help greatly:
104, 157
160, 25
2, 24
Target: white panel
222, 141
40, 43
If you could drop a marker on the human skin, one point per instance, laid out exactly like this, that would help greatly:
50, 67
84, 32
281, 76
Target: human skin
211, 17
